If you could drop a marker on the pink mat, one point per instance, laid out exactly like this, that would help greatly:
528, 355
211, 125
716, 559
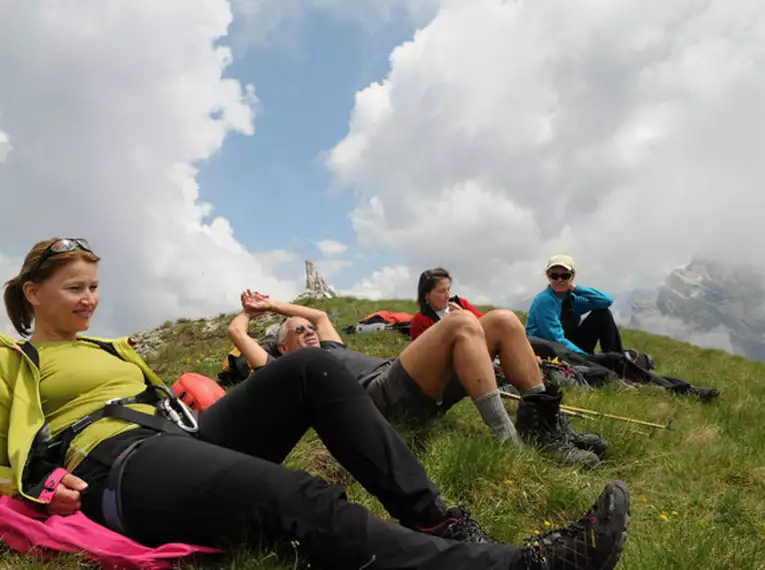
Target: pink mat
25, 528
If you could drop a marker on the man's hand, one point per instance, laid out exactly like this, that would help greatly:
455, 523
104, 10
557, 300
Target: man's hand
66, 501
255, 304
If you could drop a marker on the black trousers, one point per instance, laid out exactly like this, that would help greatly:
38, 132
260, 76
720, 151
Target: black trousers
599, 325
227, 484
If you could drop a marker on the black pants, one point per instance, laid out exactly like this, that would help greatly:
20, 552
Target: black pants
227, 485
599, 325
627, 369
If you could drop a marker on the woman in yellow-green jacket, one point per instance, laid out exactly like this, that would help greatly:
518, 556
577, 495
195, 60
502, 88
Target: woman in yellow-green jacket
85, 425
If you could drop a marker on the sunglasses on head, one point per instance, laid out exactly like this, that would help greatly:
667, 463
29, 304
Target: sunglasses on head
65, 245
300, 329
560, 276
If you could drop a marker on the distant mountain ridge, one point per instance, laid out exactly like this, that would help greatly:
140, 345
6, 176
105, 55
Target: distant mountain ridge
711, 304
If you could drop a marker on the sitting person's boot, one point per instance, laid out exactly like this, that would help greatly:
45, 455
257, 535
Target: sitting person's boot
594, 542
538, 425
455, 524
583, 440
645, 361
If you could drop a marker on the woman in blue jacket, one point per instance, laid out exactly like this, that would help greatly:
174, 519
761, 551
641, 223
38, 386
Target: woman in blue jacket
556, 313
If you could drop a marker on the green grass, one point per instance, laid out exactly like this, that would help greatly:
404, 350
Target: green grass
698, 490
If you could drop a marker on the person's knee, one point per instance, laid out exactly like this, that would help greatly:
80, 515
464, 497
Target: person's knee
604, 315
505, 320
463, 324
313, 361
308, 354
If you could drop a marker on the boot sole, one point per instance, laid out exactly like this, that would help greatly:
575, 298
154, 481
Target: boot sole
616, 551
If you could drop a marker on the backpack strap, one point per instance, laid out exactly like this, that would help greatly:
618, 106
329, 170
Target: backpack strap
173, 416
31, 353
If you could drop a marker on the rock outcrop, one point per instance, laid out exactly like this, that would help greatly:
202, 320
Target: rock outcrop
316, 287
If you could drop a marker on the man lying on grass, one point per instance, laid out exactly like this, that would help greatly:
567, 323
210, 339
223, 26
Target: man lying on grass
451, 360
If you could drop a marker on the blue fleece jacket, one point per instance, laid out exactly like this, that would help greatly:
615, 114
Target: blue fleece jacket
544, 315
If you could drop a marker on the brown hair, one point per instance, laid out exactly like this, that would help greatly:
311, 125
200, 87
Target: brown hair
20, 310
428, 281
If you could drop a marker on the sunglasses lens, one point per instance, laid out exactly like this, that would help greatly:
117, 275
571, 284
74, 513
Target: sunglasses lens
559, 276
83, 243
63, 246
66, 245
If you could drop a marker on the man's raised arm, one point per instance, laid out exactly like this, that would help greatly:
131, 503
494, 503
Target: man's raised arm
238, 332
325, 329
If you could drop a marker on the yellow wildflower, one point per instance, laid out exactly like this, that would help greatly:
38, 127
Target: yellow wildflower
663, 517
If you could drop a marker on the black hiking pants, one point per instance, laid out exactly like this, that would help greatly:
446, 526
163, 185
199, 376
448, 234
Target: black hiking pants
599, 325
629, 370
227, 485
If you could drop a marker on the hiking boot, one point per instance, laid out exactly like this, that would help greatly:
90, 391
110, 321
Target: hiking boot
583, 440
645, 361
594, 542
705, 395
538, 425
458, 525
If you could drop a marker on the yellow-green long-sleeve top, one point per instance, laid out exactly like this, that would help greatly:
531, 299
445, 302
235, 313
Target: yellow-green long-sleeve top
74, 379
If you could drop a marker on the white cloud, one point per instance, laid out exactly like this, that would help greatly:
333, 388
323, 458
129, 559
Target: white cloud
5, 146
331, 267
627, 134
718, 337
390, 282
330, 247
107, 116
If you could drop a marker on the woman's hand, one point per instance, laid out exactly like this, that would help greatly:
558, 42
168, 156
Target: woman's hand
454, 306
66, 500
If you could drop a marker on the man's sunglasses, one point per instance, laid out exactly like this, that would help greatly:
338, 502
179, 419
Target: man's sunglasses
300, 329
66, 245
560, 276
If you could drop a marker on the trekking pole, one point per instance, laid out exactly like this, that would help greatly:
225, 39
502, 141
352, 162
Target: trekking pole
571, 410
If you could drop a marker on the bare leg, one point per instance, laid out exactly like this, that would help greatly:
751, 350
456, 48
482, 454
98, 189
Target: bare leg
506, 337
456, 343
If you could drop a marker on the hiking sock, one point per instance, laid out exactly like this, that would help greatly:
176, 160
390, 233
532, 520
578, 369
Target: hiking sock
495, 416
538, 389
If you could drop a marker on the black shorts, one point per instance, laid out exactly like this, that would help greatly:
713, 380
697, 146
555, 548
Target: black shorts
399, 397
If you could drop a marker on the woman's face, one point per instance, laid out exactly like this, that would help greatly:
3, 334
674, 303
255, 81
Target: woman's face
438, 297
66, 301
560, 278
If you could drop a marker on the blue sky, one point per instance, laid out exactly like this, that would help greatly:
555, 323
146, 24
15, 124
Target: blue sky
306, 86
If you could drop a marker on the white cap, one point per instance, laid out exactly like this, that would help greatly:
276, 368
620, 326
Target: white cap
565, 261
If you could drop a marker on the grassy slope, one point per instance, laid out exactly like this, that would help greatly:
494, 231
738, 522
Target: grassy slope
698, 490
